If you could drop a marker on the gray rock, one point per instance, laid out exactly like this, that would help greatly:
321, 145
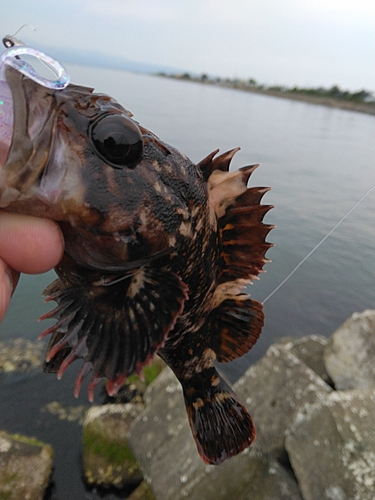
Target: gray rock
273, 390
311, 350
25, 467
107, 458
331, 447
166, 452
161, 440
250, 475
350, 353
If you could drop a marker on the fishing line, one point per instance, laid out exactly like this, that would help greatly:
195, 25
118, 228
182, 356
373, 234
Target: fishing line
320, 243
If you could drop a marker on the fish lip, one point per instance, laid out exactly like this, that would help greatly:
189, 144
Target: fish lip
25, 162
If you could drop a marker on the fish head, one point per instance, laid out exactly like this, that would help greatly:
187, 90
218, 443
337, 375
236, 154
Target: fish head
79, 158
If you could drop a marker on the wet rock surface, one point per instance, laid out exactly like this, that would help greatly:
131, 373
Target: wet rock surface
107, 458
21, 355
25, 467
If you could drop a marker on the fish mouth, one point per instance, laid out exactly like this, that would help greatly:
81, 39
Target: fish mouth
25, 136
21, 114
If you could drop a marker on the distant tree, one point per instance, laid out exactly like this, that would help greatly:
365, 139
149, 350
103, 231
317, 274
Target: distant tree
204, 77
335, 91
361, 96
276, 88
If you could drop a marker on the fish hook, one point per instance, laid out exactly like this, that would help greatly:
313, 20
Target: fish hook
11, 40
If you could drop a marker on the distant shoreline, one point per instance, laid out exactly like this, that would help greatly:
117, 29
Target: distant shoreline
359, 107
324, 101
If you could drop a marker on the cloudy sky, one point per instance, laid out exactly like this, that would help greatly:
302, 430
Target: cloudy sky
289, 42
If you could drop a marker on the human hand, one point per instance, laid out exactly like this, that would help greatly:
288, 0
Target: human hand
27, 245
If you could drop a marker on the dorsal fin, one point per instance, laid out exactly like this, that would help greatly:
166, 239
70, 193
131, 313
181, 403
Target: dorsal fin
242, 233
237, 320
221, 162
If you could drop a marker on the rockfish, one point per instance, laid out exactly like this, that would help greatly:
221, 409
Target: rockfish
158, 250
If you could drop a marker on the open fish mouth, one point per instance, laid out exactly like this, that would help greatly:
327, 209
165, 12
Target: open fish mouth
16, 134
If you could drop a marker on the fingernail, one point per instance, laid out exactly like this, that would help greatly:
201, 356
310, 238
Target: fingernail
9, 279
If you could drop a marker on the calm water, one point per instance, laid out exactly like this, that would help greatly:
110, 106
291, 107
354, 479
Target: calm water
318, 161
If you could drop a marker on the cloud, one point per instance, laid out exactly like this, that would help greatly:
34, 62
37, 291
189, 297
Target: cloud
288, 42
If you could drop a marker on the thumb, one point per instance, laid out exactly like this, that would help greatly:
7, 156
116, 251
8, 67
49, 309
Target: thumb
29, 244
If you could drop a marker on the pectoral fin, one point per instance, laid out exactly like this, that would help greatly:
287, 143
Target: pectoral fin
116, 329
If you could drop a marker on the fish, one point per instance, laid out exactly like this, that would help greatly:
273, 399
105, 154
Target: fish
158, 250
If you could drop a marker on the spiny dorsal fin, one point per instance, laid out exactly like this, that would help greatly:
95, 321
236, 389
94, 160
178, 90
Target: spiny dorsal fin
225, 187
243, 234
222, 162
237, 320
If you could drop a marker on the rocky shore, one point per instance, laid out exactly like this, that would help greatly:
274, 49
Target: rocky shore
313, 402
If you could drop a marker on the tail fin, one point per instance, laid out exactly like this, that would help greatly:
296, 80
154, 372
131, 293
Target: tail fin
220, 424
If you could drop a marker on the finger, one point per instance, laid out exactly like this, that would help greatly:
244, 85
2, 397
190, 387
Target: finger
8, 282
30, 244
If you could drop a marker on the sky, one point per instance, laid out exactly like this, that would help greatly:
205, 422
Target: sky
308, 43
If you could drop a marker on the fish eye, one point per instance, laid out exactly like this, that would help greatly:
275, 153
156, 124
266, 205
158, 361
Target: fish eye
117, 140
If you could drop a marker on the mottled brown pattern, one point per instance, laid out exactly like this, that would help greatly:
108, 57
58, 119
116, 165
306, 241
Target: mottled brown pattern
158, 251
